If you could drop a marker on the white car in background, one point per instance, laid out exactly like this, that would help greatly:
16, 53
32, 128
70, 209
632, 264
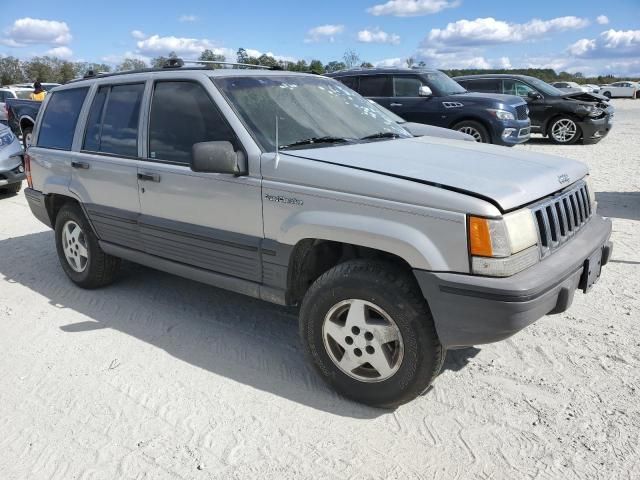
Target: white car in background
594, 88
45, 86
621, 89
573, 87
11, 92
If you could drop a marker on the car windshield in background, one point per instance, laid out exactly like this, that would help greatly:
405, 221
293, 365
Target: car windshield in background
312, 111
544, 87
24, 94
441, 83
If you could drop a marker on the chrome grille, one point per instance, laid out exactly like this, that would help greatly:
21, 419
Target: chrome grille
559, 218
522, 112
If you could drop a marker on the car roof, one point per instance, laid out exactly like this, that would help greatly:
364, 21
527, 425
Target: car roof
379, 71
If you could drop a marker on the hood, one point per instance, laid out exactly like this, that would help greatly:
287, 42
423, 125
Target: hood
507, 177
420, 129
586, 97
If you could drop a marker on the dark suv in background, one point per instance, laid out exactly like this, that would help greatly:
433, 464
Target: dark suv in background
565, 117
431, 97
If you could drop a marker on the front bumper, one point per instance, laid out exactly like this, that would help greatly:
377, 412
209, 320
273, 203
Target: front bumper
472, 310
11, 167
594, 130
512, 132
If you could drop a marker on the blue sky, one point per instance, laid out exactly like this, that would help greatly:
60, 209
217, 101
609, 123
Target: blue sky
588, 36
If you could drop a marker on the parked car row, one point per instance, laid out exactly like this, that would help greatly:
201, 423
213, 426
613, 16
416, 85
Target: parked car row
293, 189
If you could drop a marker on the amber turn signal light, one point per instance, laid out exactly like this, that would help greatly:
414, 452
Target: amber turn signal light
480, 237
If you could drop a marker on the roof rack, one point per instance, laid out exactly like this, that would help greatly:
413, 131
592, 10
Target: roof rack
233, 64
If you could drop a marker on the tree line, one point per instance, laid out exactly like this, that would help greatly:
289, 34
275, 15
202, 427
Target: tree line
52, 69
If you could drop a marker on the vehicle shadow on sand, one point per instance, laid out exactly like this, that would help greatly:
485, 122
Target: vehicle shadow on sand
247, 340
619, 204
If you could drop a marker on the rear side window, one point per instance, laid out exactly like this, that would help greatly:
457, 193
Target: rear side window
376, 86
351, 82
60, 118
406, 86
482, 85
515, 87
182, 114
112, 126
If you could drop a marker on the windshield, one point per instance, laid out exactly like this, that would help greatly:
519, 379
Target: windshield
307, 108
544, 87
384, 111
23, 94
441, 83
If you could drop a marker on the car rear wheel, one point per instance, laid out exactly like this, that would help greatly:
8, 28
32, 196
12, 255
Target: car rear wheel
475, 129
370, 334
80, 255
27, 136
564, 131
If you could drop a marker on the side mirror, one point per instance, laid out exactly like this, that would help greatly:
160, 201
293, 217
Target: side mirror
424, 91
218, 157
534, 95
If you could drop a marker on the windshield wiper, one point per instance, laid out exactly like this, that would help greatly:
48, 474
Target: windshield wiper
381, 135
314, 140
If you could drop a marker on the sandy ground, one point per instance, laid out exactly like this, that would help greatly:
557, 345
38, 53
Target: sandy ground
157, 377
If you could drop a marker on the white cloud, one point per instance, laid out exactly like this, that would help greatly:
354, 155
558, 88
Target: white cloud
324, 32
30, 31
487, 31
188, 18
391, 62
61, 52
157, 45
505, 62
610, 43
378, 36
602, 20
138, 35
118, 58
411, 8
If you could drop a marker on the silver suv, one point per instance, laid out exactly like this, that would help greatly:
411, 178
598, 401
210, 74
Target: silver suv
293, 189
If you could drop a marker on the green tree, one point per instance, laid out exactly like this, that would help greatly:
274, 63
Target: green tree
65, 72
132, 64
158, 62
316, 66
410, 62
82, 68
242, 56
366, 65
42, 69
11, 71
209, 56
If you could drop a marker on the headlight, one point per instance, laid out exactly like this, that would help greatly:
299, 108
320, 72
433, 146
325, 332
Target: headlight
503, 247
590, 110
7, 139
501, 114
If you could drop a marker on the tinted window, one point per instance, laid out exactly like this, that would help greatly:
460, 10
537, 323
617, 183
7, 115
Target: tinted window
406, 86
183, 114
485, 85
60, 118
94, 122
2, 97
515, 87
120, 120
376, 86
351, 82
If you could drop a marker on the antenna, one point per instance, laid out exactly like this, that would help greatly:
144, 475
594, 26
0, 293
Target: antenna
277, 141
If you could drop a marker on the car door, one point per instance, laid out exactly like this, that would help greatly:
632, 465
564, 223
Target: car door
626, 89
379, 88
208, 220
538, 107
104, 171
412, 107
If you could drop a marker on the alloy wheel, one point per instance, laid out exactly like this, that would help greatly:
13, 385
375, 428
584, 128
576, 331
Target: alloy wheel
471, 131
74, 244
363, 341
564, 130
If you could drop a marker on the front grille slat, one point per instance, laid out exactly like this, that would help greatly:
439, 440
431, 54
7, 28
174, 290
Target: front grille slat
561, 217
521, 112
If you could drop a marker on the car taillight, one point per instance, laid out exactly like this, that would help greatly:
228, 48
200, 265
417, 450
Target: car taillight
27, 169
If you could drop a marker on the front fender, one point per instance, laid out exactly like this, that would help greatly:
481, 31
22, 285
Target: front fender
396, 238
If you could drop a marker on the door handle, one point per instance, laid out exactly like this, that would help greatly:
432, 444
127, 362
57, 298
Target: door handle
82, 165
149, 177
395, 105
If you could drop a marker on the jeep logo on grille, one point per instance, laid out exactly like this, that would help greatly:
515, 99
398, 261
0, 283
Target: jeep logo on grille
564, 178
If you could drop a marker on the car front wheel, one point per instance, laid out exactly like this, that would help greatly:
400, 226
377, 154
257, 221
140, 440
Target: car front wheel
370, 334
475, 129
564, 131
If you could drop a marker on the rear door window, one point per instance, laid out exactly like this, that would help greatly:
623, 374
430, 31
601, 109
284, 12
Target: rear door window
112, 126
60, 118
376, 86
183, 114
406, 86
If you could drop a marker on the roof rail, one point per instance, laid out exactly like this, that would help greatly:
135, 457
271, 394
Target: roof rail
233, 64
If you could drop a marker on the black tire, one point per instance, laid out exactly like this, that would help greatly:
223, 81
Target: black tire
397, 293
557, 137
12, 189
26, 132
100, 268
607, 94
475, 129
